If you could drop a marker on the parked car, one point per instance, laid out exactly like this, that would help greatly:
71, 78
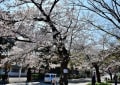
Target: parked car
49, 77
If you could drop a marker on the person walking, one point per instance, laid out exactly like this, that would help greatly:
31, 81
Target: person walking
115, 79
29, 75
93, 79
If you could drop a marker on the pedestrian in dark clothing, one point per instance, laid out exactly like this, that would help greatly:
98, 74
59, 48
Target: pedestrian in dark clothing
66, 82
93, 79
115, 79
29, 75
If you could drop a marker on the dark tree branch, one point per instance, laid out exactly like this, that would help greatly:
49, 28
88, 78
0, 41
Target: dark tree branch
39, 6
20, 4
101, 12
23, 35
47, 20
109, 9
10, 21
117, 3
25, 1
57, 39
2, 1
104, 30
40, 19
68, 27
116, 6
53, 5
91, 10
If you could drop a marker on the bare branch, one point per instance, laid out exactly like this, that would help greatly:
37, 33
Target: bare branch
23, 35
101, 13
107, 7
104, 30
20, 4
39, 19
112, 11
10, 21
55, 2
2, 1
117, 3
116, 6
39, 6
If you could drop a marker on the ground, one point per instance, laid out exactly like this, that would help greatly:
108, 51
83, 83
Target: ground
82, 81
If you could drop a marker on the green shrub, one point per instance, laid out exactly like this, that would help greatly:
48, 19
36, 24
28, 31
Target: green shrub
35, 76
102, 83
109, 81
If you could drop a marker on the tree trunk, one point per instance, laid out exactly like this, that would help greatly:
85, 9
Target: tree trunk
5, 79
64, 56
64, 72
58, 40
97, 72
62, 53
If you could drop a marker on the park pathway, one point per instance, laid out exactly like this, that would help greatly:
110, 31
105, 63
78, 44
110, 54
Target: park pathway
22, 81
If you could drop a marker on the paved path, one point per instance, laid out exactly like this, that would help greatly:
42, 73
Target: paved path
37, 83
32, 83
16, 81
78, 83
41, 83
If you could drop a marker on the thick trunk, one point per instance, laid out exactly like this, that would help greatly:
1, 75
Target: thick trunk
64, 73
58, 40
97, 72
64, 56
5, 78
62, 52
